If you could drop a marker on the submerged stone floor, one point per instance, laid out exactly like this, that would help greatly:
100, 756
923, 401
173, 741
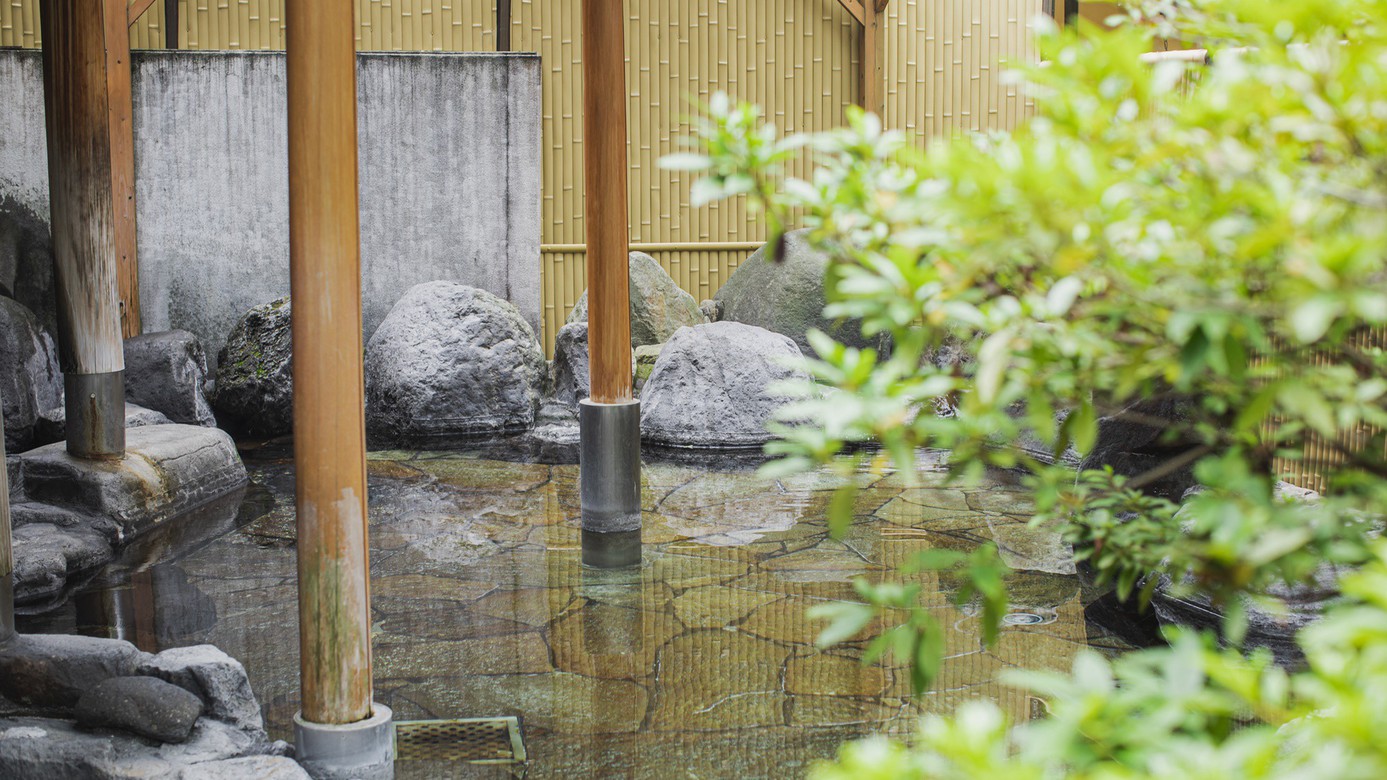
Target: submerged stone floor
700, 664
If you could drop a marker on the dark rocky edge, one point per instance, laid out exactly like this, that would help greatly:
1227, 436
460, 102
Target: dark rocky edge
83, 707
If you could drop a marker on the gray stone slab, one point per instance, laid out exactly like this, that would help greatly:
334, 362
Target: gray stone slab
167, 470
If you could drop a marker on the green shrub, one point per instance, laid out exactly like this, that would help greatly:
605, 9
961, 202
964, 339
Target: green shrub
1139, 240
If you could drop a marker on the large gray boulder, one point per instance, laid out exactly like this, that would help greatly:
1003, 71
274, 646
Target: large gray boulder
30, 381
571, 377
658, 306
450, 361
1297, 605
146, 706
786, 297
710, 386
26, 260
1140, 439
167, 372
219, 680
255, 381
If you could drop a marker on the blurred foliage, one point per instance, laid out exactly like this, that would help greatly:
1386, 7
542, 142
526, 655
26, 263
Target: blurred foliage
1206, 235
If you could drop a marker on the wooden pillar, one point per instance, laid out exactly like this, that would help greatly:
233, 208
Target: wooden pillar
121, 108
77, 83
503, 20
329, 423
872, 74
870, 90
604, 166
171, 24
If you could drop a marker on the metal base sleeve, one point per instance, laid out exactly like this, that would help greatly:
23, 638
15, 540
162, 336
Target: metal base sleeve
609, 475
364, 750
95, 408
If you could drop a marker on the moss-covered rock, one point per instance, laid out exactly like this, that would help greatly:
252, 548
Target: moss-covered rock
255, 381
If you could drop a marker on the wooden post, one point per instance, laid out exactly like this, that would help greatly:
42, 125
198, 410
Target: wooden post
76, 73
329, 422
873, 88
609, 464
604, 165
122, 110
170, 24
503, 20
870, 90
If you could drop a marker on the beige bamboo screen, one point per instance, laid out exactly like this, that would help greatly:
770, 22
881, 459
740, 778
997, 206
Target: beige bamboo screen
797, 58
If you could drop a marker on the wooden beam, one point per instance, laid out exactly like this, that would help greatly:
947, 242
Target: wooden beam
854, 7
121, 108
869, 75
329, 421
135, 10
503, 21
604, 166
170, 24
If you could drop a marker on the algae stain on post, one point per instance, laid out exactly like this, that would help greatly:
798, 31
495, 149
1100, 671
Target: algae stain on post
334, 598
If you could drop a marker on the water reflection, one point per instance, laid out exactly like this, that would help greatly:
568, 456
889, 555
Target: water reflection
701, 657
158, 608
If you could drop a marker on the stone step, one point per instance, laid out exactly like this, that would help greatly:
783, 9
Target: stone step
167, 470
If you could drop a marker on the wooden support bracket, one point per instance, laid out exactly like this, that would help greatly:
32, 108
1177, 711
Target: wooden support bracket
136, 10
855, 8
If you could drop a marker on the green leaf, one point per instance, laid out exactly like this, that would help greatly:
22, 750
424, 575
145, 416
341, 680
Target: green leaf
685, 161
1311, 319
840, 509
846, 620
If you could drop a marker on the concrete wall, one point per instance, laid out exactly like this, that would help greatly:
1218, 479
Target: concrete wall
449, 167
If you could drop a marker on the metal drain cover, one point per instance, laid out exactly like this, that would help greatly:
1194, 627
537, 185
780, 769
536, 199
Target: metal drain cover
475, 740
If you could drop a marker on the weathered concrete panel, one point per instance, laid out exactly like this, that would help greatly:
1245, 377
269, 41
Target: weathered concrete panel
449, 167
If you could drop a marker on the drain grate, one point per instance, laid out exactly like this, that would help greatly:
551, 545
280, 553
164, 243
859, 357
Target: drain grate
476, 740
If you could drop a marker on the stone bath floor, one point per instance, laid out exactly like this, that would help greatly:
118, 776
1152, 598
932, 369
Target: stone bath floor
700, 664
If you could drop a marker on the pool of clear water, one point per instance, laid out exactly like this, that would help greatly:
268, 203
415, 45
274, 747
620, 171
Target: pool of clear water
700, 663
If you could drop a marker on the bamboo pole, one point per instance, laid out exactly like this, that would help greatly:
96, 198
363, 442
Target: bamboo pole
329, 423
604, 166
76, 69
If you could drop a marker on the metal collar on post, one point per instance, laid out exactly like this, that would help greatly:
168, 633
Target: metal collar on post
95, 408
609, 473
